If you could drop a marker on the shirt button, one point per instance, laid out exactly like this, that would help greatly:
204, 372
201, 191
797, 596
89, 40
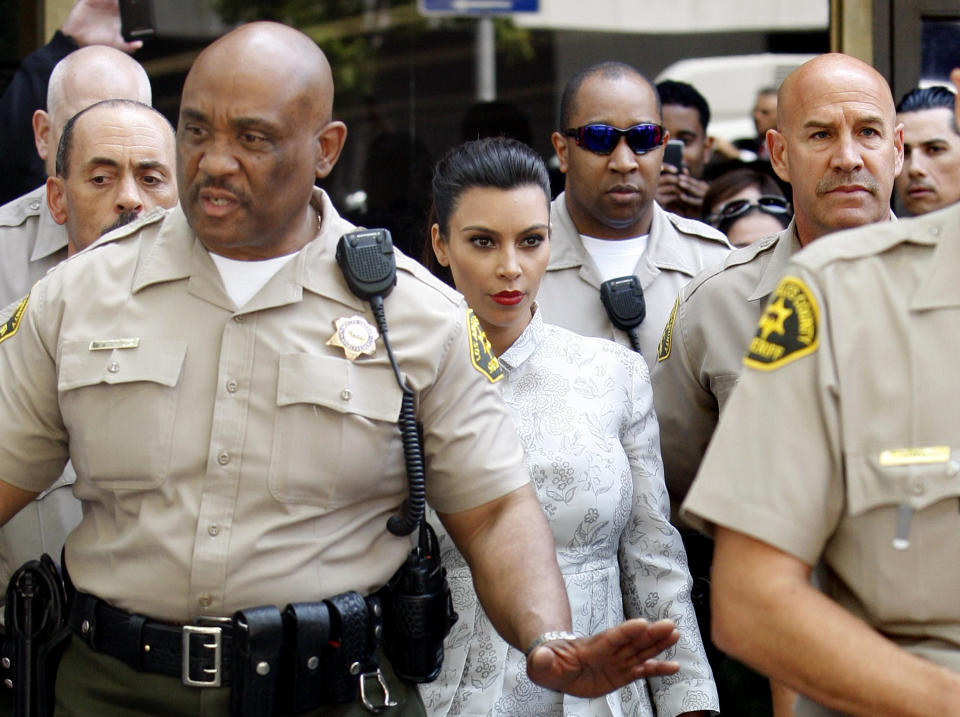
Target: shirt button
232, 386
345, 394
34, 205
953, 467
214, 530
204, 600
113, 367
223, 458
240, 318
918, 488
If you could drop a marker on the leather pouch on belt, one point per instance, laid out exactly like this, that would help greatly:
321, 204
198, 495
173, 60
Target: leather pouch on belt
306, 628
256, 661
352, 649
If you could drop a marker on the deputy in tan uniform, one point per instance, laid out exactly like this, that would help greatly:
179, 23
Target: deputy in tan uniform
231, 415
606, 223
842, 178
701, 351
840, 447
30, 241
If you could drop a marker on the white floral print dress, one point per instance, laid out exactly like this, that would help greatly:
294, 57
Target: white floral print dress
584, 411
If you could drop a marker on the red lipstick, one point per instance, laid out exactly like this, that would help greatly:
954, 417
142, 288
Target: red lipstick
508, 298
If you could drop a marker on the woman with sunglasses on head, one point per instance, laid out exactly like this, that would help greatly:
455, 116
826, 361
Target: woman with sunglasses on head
584, 412
746, 204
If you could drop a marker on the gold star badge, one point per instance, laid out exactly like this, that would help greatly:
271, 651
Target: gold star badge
355, 335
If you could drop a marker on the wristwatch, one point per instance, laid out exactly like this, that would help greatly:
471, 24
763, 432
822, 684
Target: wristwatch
551, 636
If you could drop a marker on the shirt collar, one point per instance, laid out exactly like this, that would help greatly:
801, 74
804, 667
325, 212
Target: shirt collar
788, 244
171, 258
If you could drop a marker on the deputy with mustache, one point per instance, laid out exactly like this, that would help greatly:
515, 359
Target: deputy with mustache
838, 143
115, 161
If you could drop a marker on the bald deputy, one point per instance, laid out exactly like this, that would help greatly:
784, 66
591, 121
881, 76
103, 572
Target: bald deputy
839, 449
838, 144
235, 456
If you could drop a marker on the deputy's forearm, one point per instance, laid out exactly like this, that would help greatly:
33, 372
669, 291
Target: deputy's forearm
12, 500
510, 550
766, 613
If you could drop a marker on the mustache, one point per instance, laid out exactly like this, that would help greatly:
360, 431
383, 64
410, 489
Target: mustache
123, 219
861, 178
217, 183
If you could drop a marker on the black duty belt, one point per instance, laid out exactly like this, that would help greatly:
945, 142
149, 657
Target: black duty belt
199, 654
311, 654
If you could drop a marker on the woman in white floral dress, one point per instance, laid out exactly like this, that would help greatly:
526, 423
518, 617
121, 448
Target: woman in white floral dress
584, 411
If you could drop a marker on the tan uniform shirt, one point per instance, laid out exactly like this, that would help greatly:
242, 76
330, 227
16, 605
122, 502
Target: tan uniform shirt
701, 351
677, 250
30, 244
231, 457
842, 440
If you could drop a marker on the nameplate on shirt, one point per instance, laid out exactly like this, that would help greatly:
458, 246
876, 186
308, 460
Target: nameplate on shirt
110, 344
915, 456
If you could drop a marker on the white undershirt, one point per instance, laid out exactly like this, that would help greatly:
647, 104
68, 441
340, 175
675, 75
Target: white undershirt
243, 279
615, 257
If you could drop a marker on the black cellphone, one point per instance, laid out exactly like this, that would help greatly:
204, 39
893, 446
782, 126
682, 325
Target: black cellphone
673, 154
136, 19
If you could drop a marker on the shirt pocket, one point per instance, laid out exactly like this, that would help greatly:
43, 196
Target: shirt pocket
119, 406
335, 439
917, 581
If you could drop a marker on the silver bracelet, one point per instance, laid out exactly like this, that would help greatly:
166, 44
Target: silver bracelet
550, 637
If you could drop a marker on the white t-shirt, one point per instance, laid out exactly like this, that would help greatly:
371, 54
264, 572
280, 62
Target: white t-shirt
615, 257
243, 279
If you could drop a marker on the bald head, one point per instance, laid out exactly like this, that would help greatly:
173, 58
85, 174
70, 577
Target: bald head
838, 144
828, 78
250, 147
84, 77
270, 50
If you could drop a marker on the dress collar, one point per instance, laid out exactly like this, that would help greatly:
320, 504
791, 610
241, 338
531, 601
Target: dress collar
523, 348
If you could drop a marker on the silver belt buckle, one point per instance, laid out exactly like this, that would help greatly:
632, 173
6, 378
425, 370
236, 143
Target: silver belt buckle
215, 633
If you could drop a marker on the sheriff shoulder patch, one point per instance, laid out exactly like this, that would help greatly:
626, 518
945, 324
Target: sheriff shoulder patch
481, 353
788, 328
666, 339
9, 328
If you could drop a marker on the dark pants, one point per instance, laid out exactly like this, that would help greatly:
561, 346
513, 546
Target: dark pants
92, 684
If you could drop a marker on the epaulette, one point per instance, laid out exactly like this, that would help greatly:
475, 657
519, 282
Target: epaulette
418, 270
738, 257
17, 211
697, 228
876, 238
154, 215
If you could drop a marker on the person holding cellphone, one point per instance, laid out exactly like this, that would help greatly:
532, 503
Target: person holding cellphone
584, 410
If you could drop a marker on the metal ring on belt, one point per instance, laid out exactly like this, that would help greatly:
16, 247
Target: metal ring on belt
198, 654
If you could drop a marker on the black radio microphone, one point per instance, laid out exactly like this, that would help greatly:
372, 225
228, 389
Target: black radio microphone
623, 299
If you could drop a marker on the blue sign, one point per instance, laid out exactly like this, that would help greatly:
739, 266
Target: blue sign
477, 7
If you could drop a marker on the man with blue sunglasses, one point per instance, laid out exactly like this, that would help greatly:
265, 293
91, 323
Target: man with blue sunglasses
606, 224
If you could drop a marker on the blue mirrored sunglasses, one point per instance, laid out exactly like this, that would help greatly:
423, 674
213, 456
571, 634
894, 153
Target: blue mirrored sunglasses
602, 138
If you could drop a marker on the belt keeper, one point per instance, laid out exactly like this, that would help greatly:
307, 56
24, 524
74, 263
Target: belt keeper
256, 660
83, 618
134, 640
